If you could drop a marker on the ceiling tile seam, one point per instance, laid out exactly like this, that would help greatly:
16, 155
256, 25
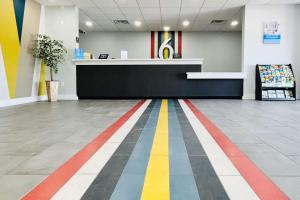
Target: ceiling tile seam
194, 21
161, 22
140, 10
238, 12
103, 13
87, 15
178, 18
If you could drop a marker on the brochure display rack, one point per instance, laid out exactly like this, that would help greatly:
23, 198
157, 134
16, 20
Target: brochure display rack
275, 83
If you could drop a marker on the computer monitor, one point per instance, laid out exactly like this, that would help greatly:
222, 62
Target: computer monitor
177, 56
103, 56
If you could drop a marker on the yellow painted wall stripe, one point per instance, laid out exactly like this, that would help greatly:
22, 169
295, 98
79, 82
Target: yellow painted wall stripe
157, 183
42, 83
166, 50
9, 40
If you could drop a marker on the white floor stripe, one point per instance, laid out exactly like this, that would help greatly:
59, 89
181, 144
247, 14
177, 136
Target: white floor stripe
235, 185
236, 189
75, 189
78, 184
99, 159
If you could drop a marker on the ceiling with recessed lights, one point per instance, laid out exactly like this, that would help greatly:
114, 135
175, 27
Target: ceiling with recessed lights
155, 14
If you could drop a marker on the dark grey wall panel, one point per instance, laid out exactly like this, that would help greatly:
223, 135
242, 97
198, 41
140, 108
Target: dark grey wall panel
150, 81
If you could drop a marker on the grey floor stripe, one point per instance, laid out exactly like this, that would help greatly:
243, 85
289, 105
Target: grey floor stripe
208, 183
104, 184
130, 184
182, 182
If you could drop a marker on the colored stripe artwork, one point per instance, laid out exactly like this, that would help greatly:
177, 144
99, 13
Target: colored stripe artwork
152, 44
9, 40
19, 22
180, 43
158, 39
19, 6
160, 149
166, 50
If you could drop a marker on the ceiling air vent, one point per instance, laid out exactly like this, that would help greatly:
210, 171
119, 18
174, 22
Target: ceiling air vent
218, 22
81, 31
118, 21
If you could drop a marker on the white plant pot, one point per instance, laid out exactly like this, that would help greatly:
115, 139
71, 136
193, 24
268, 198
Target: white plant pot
52, 90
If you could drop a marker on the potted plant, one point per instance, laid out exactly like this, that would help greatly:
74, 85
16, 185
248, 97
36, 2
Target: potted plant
51, 53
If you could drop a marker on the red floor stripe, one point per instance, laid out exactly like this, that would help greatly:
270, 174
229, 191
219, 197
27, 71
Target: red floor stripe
258, 181
47, 188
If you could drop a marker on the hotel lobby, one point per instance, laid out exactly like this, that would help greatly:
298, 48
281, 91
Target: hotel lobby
149, 99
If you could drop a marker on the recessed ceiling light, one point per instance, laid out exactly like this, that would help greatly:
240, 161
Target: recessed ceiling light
234, 23
185, 23
167, 28
137, 23
89, 23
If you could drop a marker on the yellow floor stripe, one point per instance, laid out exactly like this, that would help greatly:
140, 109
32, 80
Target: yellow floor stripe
156, 185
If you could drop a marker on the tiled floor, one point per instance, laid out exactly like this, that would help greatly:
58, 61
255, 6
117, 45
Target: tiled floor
267, 132
35, 139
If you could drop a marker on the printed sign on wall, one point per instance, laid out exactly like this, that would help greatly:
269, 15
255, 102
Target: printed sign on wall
272, 33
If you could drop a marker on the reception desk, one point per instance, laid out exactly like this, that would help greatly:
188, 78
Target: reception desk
150, 78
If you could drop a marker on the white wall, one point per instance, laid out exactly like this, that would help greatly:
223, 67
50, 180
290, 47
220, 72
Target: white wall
4, 94
62, 23
296, 51
255, 52
136, 43
221, 50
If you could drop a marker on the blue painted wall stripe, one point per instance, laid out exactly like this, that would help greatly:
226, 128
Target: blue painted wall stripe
19, 6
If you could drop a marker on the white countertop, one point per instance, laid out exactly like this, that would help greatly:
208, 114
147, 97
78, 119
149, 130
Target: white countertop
216, 75
196, 61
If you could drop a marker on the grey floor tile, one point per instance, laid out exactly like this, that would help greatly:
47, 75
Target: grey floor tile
275, 164
290, 185
43, 163
16, 186
281, 144
251, 149
8, 163
296, 159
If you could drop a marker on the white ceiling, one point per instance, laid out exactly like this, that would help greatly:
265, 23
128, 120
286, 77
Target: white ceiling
154, 14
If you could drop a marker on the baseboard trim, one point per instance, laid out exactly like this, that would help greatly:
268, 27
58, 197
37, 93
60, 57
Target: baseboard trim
249, 96
68, 97
19, 101
25, 100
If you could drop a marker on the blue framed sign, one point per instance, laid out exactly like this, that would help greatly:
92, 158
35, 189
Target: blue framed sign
272, 33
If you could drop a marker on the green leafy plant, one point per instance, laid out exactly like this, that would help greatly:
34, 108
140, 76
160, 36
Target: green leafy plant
51, 52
